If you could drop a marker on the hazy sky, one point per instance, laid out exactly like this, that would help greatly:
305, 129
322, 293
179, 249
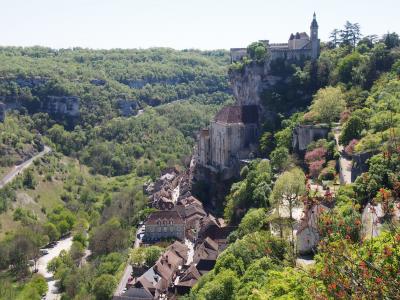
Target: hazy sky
204, 24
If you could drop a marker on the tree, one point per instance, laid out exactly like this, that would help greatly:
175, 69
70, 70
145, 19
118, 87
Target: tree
391, 40
280, 158
257, 51
103, 287
352, 130
328, 104
351, 34
335, 37
107, 238
29, 179
51, 231
266, 143
287, 191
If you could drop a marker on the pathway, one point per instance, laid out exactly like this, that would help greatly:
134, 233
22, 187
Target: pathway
18, 169
345, 164
64, 244
128, 269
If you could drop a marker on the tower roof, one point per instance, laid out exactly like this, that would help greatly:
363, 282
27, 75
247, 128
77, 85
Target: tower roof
314, 23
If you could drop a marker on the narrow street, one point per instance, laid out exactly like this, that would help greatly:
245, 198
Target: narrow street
128, 269
18, 169
64, 244
345, 164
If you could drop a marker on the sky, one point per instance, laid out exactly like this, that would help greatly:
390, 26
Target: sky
182, 24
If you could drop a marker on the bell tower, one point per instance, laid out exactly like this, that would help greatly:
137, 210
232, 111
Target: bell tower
314, 38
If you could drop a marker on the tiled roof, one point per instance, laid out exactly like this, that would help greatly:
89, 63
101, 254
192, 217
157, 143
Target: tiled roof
135, 294
238, 114
180, 249
164, 215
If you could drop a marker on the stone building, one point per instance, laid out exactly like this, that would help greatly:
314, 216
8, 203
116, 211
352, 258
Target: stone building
164, 224
299, 45
232, 136
303, 135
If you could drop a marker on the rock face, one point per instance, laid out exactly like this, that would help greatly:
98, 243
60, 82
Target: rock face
2, 112
360, 164
247, 84
66, 106
98, 82
31, 82
127, 107
303, 135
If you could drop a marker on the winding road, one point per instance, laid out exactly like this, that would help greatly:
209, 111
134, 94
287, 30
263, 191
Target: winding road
18, 169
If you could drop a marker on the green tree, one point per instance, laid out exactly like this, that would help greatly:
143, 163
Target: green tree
328, 103
351, 130
286, 194
280, 158
103, 287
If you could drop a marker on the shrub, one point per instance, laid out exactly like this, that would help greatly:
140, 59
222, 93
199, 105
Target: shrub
349, 149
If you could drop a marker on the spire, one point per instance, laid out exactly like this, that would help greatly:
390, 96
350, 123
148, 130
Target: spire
314, 23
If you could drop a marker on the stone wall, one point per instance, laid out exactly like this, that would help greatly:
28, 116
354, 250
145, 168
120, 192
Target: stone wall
226, 140
303, 135
164, 231
360, 164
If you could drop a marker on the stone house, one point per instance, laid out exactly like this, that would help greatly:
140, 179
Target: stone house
164, 224
232, 136
303, 135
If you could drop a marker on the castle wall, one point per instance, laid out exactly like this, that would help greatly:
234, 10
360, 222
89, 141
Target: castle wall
237, 54
226, 141
303, 135
203, 148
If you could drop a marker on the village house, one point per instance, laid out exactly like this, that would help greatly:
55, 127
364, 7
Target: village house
164, 224
157, 280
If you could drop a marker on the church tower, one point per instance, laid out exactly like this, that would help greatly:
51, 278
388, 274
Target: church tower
314, 38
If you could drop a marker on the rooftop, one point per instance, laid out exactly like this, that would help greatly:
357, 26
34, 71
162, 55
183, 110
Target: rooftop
246, 114
167, 215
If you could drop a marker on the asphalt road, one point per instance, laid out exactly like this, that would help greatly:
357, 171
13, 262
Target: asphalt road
128, 269
18, 169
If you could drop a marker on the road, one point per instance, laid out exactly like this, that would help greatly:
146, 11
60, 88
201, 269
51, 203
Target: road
18, 169
345, 164
64, 244
128, 269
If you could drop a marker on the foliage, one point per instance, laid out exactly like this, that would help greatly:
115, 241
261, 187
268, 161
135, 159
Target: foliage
327, 105
107, 238
145, 256
103, 287
252, 191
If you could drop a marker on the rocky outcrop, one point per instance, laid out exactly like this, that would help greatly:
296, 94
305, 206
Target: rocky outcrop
303, 135
127, 107
98, 82
31, 82
2, 112
360, 164
65, 106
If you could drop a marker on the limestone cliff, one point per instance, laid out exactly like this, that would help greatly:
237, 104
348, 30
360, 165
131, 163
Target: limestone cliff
2, 112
